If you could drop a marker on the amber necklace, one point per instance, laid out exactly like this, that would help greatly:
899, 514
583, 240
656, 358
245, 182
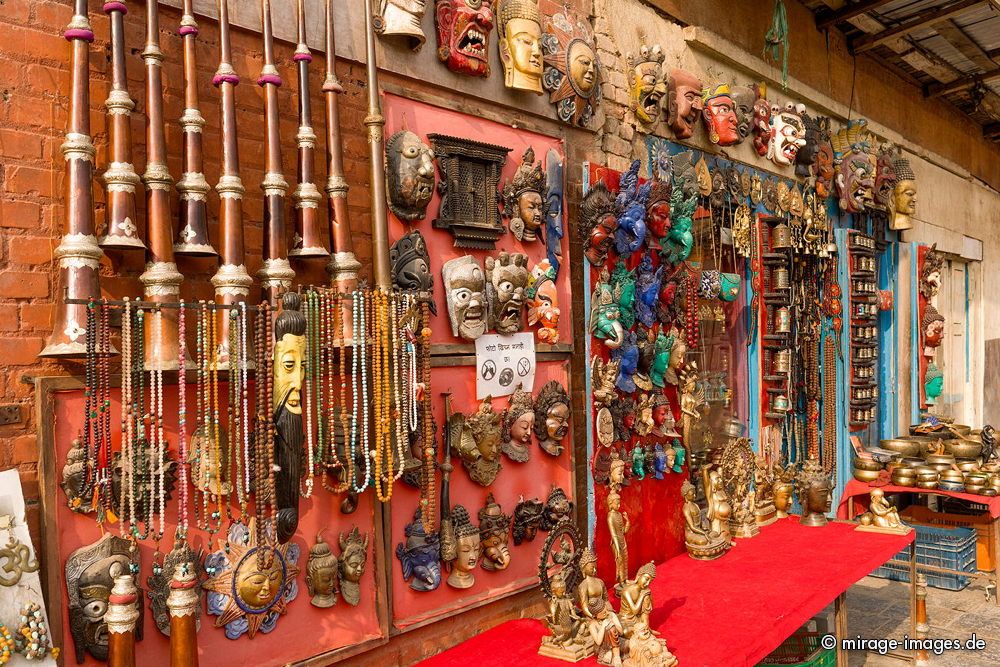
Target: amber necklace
383, 487
395, 379
427, 482
335, 312
216, 467
235, 413
182, 441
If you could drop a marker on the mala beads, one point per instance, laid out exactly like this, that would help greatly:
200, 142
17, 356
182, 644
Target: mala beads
6, 645
245, 406
348, 474
182, 442
104, 419
32, 639
427, 481
359, 313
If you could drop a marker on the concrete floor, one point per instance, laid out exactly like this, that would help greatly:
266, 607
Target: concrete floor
879, 608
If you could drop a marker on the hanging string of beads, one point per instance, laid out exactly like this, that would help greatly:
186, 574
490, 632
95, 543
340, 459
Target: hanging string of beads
183, 464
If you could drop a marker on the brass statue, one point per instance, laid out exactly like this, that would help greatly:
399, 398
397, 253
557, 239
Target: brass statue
603, 375
881, 516
289, 373
763, 482
644, 647
321, 574
813, 488
701, 543
738, 467
637, 601
468, 549
618, 526
353, 558
479, 446
719, 508
603, 624
692, 399
494, 530
569, 640
784, 487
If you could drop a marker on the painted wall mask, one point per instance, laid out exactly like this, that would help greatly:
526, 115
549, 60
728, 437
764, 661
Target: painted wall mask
630, 234
411, 266
719, 114
605, 315
658, 211
744, 98
517, 423
885, 177
420, 556
552, 415
806, 157
465, 291
526, 198
543, 302
679, 241
508, 280
761, 124
855, 166
558, 508
527, 517
520, 34
401, 18
930, 274
572, 69
90, 576
463, 34
494, 531
787, 135
662, 348
479, 445
409, 175
627, 356
322, 573
646, 83
604, 427
623, 288
684, 103
289, 375
468, 549
598, 222
902, 204
931, 330
353, 559
647, 286
554, 228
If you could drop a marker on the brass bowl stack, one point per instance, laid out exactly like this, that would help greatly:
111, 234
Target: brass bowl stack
908, 447
977, 482
866, 470
927, 477
902, 476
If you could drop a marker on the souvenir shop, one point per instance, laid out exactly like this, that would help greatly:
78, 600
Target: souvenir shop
466, 336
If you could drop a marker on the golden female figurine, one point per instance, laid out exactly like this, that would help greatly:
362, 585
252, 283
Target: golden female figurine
618, 525
569, 639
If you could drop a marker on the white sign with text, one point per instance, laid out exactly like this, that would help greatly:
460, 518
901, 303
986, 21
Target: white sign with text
503, 363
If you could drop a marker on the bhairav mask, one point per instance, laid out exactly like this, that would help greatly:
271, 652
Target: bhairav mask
658, 211
90, 575
558, 508
402, 18
465, 290
526, 198
411, 266
719, 115
410, 175
479, 445
902, 204
520, 28
552, 417
744, 98
508, 280
494, 531
572, 71
631, 232
788, 135
517, 425
353, 557
527, 516
543, 302
598, 223
463, 34
420, 556
855, 166
322, 572
646, 84
468, 549
761, 124
684, 103
627, 356
289, 373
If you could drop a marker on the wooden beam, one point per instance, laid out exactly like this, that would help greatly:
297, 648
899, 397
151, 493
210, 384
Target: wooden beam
826, 19
917, 21
966, 82
967, 46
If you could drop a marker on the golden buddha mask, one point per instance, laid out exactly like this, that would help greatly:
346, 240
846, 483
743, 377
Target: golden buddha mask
289, 372
520, 27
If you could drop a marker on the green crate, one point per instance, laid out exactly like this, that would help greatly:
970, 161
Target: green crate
801, 650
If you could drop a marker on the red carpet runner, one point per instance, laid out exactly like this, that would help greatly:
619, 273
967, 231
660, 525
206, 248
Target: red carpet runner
730, 611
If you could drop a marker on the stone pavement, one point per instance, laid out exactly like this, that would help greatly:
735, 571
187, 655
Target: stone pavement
879, 608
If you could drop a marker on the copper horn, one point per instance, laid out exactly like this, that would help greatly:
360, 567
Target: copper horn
306, 242
78, 253
123, 612
231, 281
183, 603
344, 266
375, 122
276, 273
161, 279
121, 232
192, 234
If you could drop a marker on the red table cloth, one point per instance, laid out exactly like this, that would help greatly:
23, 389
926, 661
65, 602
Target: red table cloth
731, 611
855, 488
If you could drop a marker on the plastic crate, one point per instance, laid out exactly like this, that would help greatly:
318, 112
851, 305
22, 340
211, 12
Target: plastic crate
979, 521
952, 548
801, 650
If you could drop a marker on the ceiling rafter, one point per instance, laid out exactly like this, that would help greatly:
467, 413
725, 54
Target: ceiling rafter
915, 22
827, 19
966, 82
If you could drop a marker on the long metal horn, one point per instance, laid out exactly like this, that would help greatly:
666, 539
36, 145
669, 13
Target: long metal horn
307, 242
375, 122
161, 280
192, 234
78, 253
231, 281
276, 273
344, 266
121, 231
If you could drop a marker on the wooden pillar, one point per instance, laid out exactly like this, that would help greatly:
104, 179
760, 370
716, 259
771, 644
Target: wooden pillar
122, 614
183, 603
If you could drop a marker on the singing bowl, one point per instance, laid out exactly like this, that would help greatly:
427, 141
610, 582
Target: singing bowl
904, 446
961, 429
990, 492
866, 464
904, 480
951, 486
967, 465
927, 485
963, 449
935, 459
977, 478
866, 475
911, 462
976, 488
952, 476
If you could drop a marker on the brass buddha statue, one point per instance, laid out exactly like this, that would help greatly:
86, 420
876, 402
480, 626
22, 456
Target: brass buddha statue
321, 574
618, 526
701, 543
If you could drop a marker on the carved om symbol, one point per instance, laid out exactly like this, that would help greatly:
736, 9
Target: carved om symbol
16, 559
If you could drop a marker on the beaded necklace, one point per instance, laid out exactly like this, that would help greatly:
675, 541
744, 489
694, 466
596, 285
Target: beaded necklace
381, 395
395, 379
245, 407
104, 419
359, 312
90, 434
201, 424
182, 442
312, 387
235, 413
160, 451
347, 475
139, 445
127, 421
427, 482
217, 468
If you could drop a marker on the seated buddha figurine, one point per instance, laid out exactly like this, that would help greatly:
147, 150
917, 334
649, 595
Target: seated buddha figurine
637, 601
700, 542
881, 516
